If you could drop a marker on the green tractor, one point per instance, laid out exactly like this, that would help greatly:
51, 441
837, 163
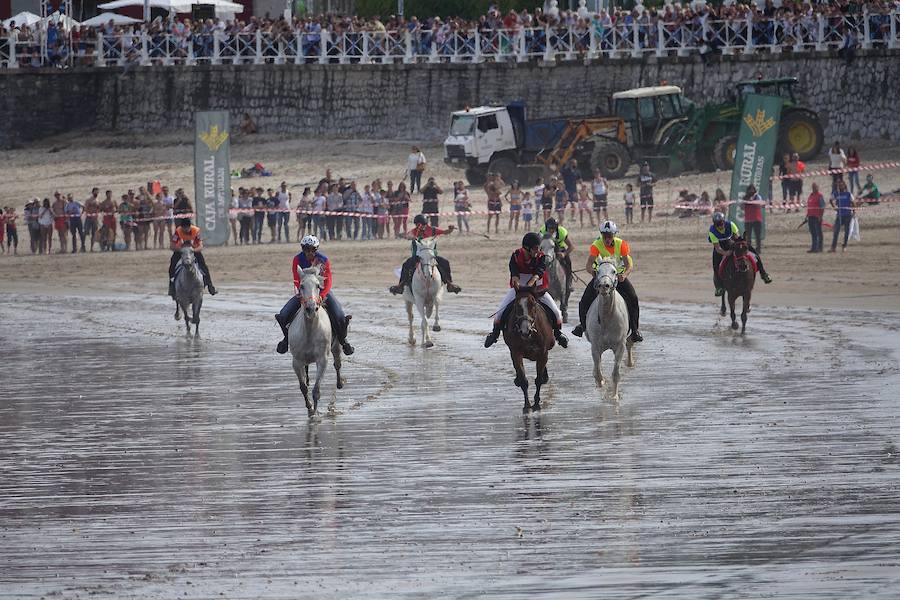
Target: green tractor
674, 135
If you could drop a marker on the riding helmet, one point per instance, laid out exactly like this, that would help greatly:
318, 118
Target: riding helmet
550, 224
609, 227
531, 240
309, 241
420, 220
186, 222
718, 218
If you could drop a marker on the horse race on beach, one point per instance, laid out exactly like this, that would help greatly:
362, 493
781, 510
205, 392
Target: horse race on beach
738, 274
425, 293
188, 290
607, 325
310, 340
529, 335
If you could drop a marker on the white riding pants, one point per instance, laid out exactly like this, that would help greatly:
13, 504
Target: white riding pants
510, 296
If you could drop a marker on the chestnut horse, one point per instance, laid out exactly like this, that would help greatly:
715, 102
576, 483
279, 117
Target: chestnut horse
529, 334
738, 274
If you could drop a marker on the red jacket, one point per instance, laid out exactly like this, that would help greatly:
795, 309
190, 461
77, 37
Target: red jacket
521, 264
301, 262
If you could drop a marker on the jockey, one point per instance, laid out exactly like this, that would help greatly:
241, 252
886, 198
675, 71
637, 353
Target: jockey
420, 231
526, 268
564, 247
721, 232
187, 234
610, 246
311, 257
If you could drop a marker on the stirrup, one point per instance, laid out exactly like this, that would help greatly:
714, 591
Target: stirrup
720, 292
212, 290
282, 346
560, 338
397, 289
453, 288
766, 278
491, 339
578, 331
347, 348
636, 336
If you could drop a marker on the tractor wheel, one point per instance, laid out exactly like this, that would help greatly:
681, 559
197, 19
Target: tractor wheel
476, 176
612, 159
506, 168
724, 153
800, 132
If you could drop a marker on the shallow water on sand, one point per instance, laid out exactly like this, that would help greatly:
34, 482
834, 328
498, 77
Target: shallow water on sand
138, 463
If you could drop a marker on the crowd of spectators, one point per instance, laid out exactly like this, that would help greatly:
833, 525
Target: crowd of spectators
789, 24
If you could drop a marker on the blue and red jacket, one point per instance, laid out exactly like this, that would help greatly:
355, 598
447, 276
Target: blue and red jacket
521, 264
301, 262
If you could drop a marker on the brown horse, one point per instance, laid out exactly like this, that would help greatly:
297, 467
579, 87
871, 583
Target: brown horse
738, 274
528, 334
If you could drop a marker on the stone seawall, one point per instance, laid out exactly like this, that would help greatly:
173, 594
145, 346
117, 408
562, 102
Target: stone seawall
413, 102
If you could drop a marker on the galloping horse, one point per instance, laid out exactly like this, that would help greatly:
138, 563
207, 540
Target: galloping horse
560, 286
738, 274
188, 290
607, 324
425, 292
310, 339
529, 334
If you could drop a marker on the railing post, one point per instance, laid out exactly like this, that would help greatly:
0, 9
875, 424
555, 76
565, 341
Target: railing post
258, 58
192, 56
13, 63
364, 48
99, 59
298, 48
408, 56
217, 48
748, 45
867, 34
820, 32
549, 50
635, 40
776, 43
523, 48
280, 57
433, 54
660, 39
477, 58
145, 52
892, 43
323, 47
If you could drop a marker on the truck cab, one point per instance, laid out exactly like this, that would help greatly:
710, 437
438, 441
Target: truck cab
478, 135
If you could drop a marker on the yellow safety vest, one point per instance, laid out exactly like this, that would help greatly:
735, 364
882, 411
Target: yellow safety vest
616, 255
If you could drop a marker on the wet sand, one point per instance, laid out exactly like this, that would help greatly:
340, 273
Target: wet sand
137, 463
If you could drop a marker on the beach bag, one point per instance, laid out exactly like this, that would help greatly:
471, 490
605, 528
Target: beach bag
854, 229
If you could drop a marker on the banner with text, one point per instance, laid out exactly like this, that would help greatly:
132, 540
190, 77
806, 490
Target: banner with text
212, 175
754, 157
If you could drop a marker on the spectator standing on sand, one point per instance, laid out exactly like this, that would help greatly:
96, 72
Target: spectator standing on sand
232, 218
367, 213
629, 204
527, 212
31, 223
273, 215
461, 206
158, 224
92, 215
259, 214
401, 201
753, 206
415, 165
245, 204
12, 236
430, 202
351, 201
145, 216
2, 230
181, 205
646, 181
60, 224
284, 217
836, 160
570, 177
168, 201
382, 209
318, 207
45, 222
601, 197
561, 199
842, 202
815, 210
74, 209
853, 175
126, 219
334, 203
304, 214
514, 199
493, 188
108, 208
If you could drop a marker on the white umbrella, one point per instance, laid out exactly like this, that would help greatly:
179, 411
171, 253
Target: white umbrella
104, 18
182, 6
23, 18
61, 20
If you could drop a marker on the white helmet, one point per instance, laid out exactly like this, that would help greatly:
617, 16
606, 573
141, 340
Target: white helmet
309, 240
609, 227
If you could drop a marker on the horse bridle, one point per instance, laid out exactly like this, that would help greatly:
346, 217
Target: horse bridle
520, 317
614, 278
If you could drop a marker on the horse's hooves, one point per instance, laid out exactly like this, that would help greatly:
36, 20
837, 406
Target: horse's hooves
340, 384
195, 321
429, 344
436, 328
412, 342
734, 325
536, 406
722, 312
526, 409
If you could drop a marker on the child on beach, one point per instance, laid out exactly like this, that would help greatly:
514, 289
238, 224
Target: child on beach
527, 211
629, 204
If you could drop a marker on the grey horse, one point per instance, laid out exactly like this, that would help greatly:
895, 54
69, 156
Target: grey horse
189, 290
607, 324
560, 286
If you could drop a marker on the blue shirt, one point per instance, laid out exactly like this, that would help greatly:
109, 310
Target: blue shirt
73, 209
844, 201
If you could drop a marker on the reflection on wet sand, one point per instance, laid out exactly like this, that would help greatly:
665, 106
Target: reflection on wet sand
149, 465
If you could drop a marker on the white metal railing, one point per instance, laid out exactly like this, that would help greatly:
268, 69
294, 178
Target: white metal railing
600, 39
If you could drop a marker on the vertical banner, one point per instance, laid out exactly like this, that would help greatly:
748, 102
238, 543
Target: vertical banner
755, 153
212, 175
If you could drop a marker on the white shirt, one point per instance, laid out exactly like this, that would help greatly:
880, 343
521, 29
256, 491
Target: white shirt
413, 160
837, 160
599, 187
319, 203
284, 200
168, 202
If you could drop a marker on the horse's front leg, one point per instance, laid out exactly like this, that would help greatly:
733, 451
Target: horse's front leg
196, 319
302, 373
412, 333
732, 298
744, 310
619, 351
187, 319
629, 350
722, 311
426, 336
321, 365
336, 354
597, 354
541, 379
437, 316
521, 380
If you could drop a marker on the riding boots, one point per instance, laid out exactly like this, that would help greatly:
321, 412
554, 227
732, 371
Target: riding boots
283, 344
493, 336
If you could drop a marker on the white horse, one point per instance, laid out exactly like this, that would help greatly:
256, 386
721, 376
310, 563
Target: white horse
425, 292
310, 340
559, 285
607, 324
188, 290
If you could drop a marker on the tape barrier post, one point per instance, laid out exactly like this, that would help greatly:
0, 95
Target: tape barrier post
212, 175
755, 154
